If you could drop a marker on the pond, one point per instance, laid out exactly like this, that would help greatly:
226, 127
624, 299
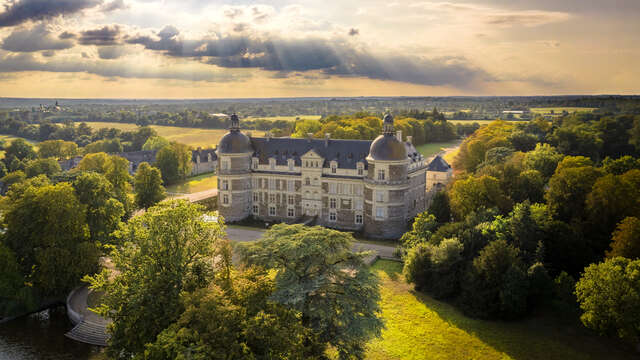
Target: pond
41, 337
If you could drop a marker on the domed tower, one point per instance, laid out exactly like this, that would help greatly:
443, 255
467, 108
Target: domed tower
234, 173
386, 184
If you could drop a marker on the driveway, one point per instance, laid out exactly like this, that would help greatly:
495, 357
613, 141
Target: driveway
245, 235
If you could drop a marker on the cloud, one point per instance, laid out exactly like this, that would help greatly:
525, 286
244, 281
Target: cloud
115, 5
48, 53
67, 35
354, 32
112, 52
107, 35
17, 12
12, 63
549, 43
329, 56
35, 39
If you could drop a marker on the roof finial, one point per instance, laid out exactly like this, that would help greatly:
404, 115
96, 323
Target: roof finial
235, 123
387, 124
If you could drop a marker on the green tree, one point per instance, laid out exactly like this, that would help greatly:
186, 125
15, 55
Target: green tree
167, 250
440, 207
47, 231
116, 170
18, 149
103, 211
469, 194
148, 186
523, 141
248, 325
319, 275
436, 269
609, 296
625, 241
48, 167
621, 165
141, 135
155, 143
568, 189
57, 149
543, 158
13, 178
174, 162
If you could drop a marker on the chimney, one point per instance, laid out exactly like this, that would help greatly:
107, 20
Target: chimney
399, 135
410, 139
309, 137
248, 133
268, 135
327, 136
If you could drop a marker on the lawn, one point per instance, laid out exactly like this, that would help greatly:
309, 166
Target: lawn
205, 138
431, 149
195, 184
419, 327
558, 110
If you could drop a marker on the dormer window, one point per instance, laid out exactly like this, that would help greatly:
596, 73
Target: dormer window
291, 164
254, 163
381, 175
334, 167
360, 169
272, 163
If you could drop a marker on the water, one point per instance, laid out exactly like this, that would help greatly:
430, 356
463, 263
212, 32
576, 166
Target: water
41, 337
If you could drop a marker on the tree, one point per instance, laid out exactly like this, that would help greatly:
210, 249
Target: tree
523, 141
13, 178
48, 167
155, 143
625, 241
57, 149
103, 211
148, 186
141, 135
116, 170
609, 296
435, 269
440, 207
97, 162
18, 149
317, 274
174, 162
47, 231
167, 250
543, 158
568, 189
496, 285
248, 325
469, 194
621, 165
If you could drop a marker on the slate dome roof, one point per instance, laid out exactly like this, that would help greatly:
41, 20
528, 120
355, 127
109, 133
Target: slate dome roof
234, 142
387, 148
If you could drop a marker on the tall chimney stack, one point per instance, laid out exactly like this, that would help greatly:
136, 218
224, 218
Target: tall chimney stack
399, 135
410, 139
327, 136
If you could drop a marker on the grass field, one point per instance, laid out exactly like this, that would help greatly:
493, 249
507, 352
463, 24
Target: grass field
419, 327
428, 150
195, 184
205, 138
5, 140
558, 110
286, 118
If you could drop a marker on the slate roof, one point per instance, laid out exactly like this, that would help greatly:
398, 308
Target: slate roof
137, 157
203, 155
346, 152
438, 164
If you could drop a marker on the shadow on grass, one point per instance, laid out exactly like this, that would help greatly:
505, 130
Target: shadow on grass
543, 335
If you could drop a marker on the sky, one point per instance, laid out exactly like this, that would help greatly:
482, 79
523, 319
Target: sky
304, 48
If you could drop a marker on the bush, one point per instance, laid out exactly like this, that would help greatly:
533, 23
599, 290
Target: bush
435, 269
541, 285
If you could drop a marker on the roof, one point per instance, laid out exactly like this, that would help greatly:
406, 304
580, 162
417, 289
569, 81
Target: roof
388, 148
234, 142
438, 164
137, 157
347, 153
204, 153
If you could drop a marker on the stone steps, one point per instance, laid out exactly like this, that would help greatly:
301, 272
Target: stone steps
89, 333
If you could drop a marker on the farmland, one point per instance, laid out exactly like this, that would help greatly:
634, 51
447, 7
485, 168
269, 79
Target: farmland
559, 110
205, 138
431, 149
285, 118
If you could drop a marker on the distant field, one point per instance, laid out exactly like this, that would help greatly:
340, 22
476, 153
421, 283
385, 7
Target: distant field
195, 184
428, 150
286, 118
558, 110
205, 138
480, 122
420, 327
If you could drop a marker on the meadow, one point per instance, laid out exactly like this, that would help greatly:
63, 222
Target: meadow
285, 118
195, 184
431, 149
559, 110
205, 138
420, 327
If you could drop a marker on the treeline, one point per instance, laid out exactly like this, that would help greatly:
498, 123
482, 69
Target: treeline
533, 205
425, 127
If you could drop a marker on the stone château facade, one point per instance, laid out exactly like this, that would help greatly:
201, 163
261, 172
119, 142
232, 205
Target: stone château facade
372, 186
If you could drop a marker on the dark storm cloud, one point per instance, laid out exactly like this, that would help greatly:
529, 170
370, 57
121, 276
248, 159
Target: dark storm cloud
35, 39
17, 12
11, 63
332, 57
107, 35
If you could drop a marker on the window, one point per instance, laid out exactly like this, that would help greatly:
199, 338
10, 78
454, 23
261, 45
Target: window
272, 163
256, 197
272, 198
255, 164
359, 219
334, 168
225, 185
272, 211
379, 213
292, 200
359, 204
225, 199
380, 174
360, 169
256, 209
359, 190
332, 216
332, 203
272, 184
332, 188
345, 204
380, 196
306, 164
225, 164
255, 182
290, 164
307, 181
291, 186
291, 212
